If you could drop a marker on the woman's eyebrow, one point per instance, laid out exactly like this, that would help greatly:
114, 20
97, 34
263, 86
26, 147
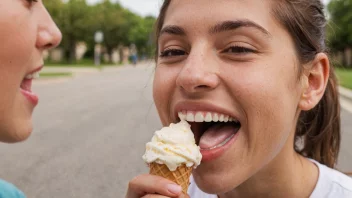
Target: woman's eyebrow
218, 28
233, 25
174, 30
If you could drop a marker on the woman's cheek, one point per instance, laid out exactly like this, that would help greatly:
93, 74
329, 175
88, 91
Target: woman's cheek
266, 102
163, 85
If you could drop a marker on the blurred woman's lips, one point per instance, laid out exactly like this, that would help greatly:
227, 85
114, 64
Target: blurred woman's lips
26, 86
36, 70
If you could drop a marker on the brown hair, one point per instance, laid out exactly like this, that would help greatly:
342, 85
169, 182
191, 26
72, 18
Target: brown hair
319, 128
159, 25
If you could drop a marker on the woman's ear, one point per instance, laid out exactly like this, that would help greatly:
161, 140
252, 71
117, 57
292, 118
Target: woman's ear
314, 81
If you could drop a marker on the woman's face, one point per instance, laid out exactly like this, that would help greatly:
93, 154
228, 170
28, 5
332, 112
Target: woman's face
228, 58
26, 30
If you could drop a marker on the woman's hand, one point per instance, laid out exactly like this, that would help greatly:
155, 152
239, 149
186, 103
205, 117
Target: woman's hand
151, 186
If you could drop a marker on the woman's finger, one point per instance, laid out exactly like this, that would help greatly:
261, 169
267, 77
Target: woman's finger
154, 196
150, 184
184, 196
161, 196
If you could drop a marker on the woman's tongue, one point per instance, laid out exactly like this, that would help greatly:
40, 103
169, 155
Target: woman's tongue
217, 135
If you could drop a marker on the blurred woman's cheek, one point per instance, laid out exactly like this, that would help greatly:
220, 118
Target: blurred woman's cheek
17, 49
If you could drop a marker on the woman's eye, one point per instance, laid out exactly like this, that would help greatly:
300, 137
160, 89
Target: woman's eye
239, 50
172, 52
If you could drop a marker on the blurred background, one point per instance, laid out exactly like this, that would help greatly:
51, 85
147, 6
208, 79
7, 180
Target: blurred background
96, 110
107, 28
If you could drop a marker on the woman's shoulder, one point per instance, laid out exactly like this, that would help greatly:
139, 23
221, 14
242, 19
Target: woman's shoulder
8, 190
332, 183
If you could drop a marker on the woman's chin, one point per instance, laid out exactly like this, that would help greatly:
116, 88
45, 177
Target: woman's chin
23, 136
224, 182
18, 133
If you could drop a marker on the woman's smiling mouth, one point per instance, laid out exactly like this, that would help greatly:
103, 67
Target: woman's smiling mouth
214, 132
26, 86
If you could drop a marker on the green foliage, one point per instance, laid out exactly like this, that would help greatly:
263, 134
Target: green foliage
55, 74
141, 35
73, 19
340, 24
78, 21
345, 77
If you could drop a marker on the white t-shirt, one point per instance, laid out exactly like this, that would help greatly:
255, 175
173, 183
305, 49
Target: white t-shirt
331, 184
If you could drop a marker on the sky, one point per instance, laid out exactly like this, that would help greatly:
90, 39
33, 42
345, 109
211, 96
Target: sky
141, 7
146, 7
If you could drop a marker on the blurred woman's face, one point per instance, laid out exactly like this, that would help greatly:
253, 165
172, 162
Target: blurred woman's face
230, 69
26, 30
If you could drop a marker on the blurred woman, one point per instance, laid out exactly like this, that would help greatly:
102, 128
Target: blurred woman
26, 31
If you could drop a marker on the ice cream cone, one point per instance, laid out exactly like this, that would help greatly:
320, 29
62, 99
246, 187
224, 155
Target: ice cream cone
173, 153
180, 176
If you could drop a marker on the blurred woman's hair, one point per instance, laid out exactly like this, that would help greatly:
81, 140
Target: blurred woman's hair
318, 130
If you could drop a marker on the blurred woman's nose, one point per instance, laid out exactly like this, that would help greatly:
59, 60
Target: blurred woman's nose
48, 35
199, 74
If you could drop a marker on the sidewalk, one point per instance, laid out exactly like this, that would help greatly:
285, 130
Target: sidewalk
346, 98
74, 70
79, 71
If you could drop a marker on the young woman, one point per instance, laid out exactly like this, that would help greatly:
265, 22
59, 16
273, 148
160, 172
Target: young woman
264, 64
26, 31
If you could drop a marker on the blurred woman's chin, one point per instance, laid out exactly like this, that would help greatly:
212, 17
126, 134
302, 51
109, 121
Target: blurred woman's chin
25, 131
23, 136
18, 133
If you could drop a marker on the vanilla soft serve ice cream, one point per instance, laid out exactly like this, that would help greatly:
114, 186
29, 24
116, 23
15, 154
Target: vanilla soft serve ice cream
173, 146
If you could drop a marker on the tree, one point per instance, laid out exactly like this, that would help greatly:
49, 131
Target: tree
340, 24
121, 26
74, 20
142, 35
109, 19
79, 21
55, 9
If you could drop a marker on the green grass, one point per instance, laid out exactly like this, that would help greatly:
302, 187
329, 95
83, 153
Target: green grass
81, 63
55, 74
345, 77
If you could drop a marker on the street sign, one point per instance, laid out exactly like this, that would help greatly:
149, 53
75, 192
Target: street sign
99, 37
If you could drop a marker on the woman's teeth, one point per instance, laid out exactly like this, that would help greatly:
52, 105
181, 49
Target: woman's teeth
34, 75
201, 116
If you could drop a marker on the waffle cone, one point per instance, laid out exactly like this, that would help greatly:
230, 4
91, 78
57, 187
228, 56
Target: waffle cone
180, 176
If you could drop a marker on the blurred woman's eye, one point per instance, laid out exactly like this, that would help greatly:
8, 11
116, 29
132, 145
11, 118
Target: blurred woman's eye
31, 1
172, 53
239, 50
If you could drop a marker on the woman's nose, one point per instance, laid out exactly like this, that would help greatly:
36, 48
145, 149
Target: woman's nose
48, 35
199, 74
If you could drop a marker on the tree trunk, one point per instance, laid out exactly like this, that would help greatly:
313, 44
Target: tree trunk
348, 57
72, 50
109, 51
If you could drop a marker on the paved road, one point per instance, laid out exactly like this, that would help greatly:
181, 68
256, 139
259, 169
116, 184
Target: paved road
90, 133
